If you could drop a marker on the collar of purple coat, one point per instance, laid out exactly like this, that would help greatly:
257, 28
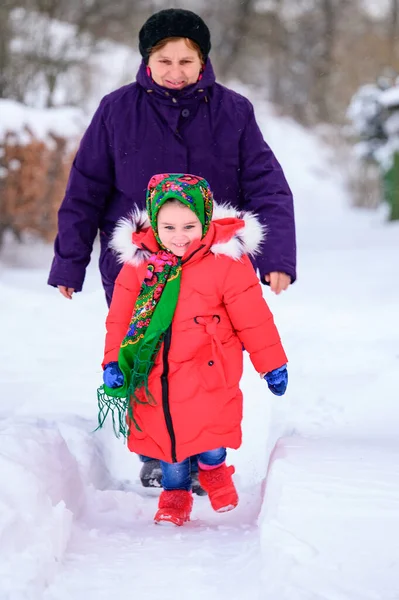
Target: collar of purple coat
196, 91
233, 233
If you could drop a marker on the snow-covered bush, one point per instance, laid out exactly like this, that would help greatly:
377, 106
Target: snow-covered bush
374, 112
36, 150
366, 114
56, 68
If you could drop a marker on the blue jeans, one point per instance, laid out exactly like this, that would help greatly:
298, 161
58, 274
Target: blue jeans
177, 476
194, 462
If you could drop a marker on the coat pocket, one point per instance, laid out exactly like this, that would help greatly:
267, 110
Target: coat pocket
210, 371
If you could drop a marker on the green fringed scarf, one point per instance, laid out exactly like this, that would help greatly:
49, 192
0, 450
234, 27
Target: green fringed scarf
156, 302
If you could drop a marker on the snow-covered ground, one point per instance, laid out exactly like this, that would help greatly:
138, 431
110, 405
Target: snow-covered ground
320, 520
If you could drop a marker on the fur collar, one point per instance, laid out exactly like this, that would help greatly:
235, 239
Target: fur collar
246, 241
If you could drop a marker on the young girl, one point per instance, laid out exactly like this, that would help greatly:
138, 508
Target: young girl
185, 303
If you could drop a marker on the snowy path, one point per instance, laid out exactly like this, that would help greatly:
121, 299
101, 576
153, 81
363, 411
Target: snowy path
121, 550
74, 522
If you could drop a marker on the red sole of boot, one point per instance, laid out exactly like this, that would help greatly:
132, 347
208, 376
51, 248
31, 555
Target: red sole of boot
226, 508
170, 524
170, 520
221, 503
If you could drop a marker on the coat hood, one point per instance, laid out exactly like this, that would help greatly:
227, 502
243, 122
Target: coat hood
233, 233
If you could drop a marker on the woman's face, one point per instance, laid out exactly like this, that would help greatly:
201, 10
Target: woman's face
175, 65
178, 227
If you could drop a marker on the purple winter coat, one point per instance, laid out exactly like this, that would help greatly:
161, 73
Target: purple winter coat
142, 129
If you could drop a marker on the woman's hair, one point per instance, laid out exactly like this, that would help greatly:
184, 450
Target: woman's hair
190, 43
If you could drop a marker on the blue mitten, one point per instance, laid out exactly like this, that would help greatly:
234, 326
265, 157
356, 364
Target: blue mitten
277, 380
113, 376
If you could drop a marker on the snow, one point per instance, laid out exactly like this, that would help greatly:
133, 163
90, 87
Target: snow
390, 97
19, 120
365, 108
338, 538
377, 10
318, 470
375, 121
112, 65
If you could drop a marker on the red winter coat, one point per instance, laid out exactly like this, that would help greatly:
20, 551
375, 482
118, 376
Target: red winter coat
196, 376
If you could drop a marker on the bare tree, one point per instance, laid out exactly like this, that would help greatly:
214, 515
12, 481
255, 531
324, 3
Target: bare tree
5, 41
393, 29
324, 61
42, 41
233, 39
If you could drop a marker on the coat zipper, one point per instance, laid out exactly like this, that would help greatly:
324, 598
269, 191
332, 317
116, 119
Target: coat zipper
165, 382
165, 392
183, 262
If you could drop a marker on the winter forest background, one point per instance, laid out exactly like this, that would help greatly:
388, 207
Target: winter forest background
307, 57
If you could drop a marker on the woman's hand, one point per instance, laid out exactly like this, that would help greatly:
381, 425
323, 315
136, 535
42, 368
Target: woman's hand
278, 281
66, 291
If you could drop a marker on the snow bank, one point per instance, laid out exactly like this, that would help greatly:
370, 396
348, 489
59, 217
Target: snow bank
329, 526
43, 489
49, 467
16, 118
331, 520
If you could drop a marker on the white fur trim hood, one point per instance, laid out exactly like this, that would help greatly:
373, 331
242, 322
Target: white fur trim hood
246, 241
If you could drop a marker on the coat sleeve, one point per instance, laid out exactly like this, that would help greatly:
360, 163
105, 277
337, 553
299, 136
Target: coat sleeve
90, 183
251, 317
266, 192
126, 290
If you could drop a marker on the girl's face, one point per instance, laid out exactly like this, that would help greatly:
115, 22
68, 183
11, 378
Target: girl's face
178, 227
175, 65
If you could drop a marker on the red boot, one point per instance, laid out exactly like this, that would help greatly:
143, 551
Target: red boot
220, 487
174, 507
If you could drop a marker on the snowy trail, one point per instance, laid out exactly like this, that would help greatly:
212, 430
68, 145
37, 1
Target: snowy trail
121, 550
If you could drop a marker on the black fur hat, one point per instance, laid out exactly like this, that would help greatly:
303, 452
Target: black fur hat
174, 22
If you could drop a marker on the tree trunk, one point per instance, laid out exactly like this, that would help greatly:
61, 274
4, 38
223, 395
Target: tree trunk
5, 35
324, 64
393, 29
278, 51
233, 41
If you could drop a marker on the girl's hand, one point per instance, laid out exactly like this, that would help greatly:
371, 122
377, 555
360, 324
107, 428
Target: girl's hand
278, 281
113, 376
66, 291
277, 380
